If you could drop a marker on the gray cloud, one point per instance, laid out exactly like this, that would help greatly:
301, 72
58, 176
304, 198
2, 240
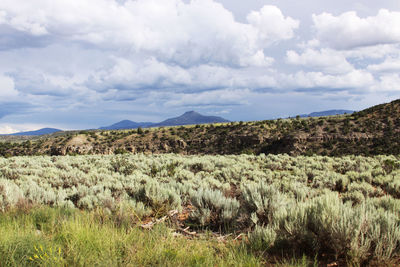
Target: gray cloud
11, 38
8, 108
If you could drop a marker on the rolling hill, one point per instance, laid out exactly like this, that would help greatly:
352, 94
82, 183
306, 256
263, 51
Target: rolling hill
42, 131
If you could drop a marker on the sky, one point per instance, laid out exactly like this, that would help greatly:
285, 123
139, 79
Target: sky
90, 63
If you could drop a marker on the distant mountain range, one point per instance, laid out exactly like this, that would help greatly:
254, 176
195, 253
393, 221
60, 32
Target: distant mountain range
39, 132
188, 118
327, 113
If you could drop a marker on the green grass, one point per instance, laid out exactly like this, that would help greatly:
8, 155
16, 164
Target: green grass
86, 239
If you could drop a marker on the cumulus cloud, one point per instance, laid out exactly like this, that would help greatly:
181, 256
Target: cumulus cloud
348, 53
328, 60
348, 30
172, 30
387, 83
375, 52
36, 82
124, 74
126, 79
272, 25
390, 64
354, 80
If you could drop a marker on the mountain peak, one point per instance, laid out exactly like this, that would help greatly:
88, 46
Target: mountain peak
191, 117
127, 124
192, 112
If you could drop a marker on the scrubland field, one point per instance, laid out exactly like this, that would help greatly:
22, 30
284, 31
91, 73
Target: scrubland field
175, 210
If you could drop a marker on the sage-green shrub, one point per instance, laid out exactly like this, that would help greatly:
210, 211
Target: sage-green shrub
345, 207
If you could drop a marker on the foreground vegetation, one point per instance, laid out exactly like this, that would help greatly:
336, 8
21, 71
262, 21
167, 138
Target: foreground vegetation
64, 237
336, 209
374, 131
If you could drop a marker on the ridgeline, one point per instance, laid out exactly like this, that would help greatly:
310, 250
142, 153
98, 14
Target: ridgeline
373, 131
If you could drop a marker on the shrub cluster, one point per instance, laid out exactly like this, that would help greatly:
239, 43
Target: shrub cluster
346, 207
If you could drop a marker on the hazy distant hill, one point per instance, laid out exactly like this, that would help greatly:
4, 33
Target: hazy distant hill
190, 117
327, 113
39, 132
127, 124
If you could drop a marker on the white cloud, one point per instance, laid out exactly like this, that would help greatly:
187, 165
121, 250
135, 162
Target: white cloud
126, 75
30, 81
330, 61
353, 81
389, 65
272, 25
201, 31
7, 89
372, 52
388, 83
6, 129
125, 79
348, 30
